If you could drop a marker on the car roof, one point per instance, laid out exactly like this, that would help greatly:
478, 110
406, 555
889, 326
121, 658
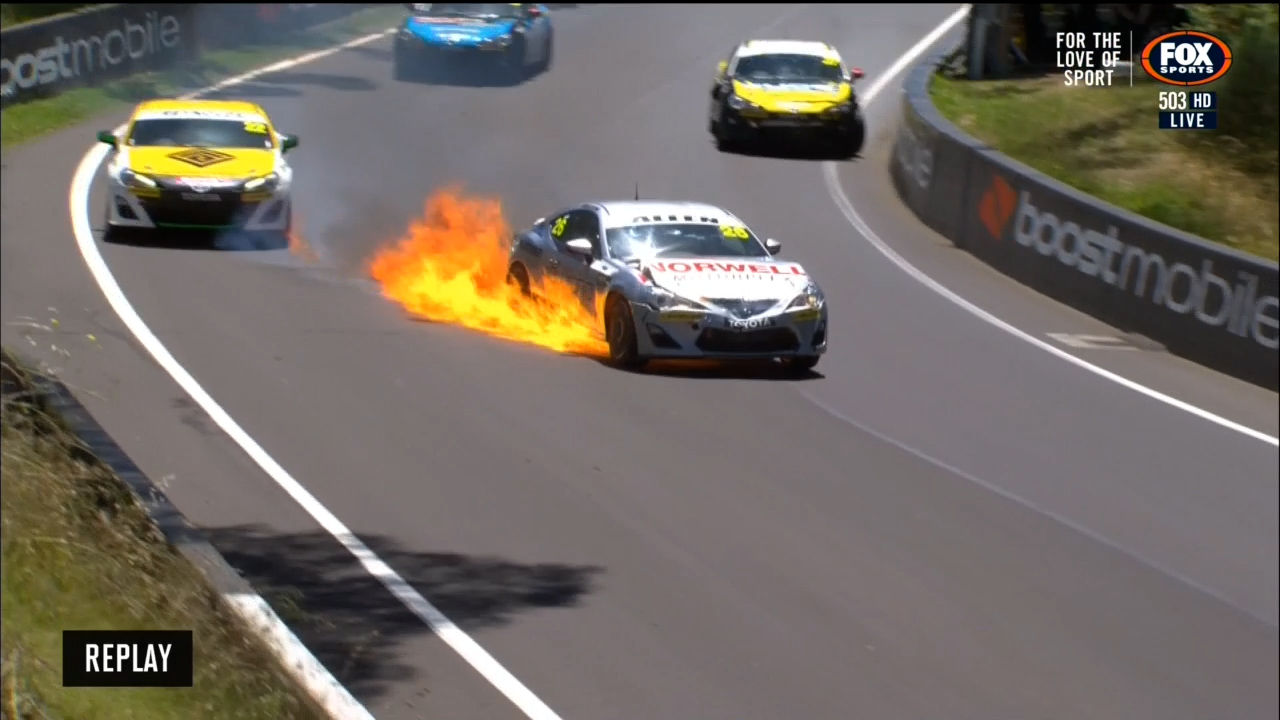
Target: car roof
787, 47
622, 213
230, 109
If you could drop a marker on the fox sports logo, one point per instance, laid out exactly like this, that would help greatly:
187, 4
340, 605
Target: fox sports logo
1186, 58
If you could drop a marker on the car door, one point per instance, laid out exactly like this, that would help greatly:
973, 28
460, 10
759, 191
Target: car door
576, 269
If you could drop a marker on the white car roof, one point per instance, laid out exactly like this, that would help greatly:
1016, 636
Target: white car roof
622, 213
788, 47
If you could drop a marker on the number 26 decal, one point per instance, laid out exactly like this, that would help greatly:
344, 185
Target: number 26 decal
557, 228
256, 128
737, 233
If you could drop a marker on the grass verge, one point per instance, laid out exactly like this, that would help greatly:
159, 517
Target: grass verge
21, 123
1104, 141
80, 553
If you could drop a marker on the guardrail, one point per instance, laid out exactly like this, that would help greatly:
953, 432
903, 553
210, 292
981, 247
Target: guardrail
1200, 300
87, 47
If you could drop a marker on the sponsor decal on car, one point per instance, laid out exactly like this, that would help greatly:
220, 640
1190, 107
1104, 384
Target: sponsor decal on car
679, 268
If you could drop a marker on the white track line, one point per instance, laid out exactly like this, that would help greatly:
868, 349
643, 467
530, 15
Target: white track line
296, 654
832, 179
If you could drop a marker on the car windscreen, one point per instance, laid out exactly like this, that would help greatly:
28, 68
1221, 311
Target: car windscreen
652, 240
787, 69
470, 10
200, 132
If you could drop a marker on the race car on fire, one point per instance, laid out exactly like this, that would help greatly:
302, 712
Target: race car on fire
676, 280
778, 89
512, 38
199, 164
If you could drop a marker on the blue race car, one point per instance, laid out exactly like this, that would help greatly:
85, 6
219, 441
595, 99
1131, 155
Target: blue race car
513, 38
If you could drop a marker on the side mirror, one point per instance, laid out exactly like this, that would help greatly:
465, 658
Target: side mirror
580, 246
288, 142
856, 74
106, 137
534, 11
722, 67
773, 246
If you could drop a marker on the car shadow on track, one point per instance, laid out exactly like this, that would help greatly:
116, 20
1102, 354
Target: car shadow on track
199, 240
720, 370
474, 76
356, 627
802, 151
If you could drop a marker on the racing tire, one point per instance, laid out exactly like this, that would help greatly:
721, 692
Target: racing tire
403, 68
545, 65
512, 64
853, 139
620, 333
518, 276
803, 364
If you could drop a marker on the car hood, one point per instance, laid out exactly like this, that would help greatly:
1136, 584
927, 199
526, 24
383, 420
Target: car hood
201, 162
460, 29
816, 96
728, 278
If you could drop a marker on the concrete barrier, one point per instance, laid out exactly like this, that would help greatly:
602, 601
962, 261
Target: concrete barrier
1203, 301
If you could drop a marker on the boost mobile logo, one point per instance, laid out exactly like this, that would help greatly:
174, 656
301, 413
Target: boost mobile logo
1178, 287
68, 59
996, 207
1186, 58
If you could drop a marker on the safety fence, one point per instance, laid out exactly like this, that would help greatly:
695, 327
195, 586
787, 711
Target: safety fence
1200, 300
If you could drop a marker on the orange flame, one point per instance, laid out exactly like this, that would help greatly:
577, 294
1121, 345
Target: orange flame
451, 266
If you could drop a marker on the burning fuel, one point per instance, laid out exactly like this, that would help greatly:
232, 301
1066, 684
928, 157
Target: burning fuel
451, 267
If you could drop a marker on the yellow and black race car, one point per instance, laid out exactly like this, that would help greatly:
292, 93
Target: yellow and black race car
784, 88
199, 164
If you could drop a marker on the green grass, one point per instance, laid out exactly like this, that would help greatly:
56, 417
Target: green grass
79, 553
22, 123
1105, 141
17, 13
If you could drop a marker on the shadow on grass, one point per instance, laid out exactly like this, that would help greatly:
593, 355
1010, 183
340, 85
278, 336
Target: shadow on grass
355, 626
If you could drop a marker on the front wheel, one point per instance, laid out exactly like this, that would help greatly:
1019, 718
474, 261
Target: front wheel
513, 67
402, 65
802, 365
853, 138
620, 332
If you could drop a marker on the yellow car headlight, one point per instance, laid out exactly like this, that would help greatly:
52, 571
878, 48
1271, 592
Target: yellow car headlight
264, 183
132, 179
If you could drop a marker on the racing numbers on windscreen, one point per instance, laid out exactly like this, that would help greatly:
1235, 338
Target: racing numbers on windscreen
736, 232
557, 228
256, 128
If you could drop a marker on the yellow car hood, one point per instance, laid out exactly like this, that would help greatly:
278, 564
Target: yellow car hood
785, 98
201, 162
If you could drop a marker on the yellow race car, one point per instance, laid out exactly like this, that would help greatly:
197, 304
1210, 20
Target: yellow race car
785, 89
199, 164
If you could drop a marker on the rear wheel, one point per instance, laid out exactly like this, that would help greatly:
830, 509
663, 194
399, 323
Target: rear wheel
519, 277
620, 331
852, 139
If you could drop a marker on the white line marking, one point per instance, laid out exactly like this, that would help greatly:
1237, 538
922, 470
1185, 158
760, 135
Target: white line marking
1091, 342
832, 178
443, 627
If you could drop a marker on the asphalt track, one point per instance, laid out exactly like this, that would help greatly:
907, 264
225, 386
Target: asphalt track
679, 544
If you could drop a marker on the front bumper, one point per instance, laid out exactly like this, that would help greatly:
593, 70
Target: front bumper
686, 334
758, 120
173, 207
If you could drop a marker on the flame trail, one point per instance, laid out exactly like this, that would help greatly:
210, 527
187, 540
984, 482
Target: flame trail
451, 267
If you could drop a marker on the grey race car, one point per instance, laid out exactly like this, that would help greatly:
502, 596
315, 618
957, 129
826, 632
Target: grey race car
676, 280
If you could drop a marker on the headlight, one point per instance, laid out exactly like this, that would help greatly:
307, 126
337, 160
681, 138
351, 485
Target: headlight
266, 182
840, 109
810, 297
134, 180
662, 299
738, 103
503, 41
